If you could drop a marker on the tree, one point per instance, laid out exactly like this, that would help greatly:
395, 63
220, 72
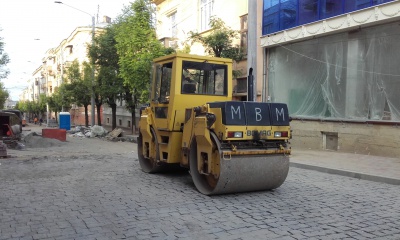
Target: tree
3, 95
76, 91
110, 86
219, 41
55, 102
137, 45
4, 59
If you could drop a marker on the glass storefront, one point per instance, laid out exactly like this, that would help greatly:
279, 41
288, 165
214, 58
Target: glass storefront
346, 76
279, 15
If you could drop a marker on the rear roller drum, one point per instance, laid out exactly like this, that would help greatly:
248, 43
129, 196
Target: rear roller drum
240, 173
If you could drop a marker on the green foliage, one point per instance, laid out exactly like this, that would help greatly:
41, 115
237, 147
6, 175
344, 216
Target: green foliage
219, 40
3, 95
3, 73
77, 90
4, 59
137, 46
55, 101
110, 85
35, 107
22, 106
185, 49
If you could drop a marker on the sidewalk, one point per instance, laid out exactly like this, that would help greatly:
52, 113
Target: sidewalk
366, 167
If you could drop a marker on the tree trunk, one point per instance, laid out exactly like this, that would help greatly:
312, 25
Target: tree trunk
114, 115
133, 126
86, 116
98, 107
133, 111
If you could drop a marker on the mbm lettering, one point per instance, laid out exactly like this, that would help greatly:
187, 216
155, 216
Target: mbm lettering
237, 111
281, 113
258, 114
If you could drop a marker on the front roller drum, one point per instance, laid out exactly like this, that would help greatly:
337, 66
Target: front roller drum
240, 173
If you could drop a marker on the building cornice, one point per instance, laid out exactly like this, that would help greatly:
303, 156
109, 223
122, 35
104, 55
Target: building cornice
362, 18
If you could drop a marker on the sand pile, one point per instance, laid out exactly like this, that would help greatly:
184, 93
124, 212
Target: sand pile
34, 140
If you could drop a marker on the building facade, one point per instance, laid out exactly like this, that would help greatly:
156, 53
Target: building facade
335, 64
175, 19
56, 62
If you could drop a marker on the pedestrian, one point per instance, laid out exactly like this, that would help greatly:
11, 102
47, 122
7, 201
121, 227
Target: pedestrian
35, 120
40, 121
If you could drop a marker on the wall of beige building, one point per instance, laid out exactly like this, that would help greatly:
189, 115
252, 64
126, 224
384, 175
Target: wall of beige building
176, 19
188, 18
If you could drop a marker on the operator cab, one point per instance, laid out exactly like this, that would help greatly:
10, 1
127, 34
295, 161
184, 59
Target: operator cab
200, 78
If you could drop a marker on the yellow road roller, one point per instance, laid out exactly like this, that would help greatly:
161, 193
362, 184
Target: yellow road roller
192, 122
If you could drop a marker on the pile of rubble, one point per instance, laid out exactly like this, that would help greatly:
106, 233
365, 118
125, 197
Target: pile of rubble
91, 132
98, 131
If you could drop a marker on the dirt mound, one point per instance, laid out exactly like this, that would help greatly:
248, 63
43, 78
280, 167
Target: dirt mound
33, 140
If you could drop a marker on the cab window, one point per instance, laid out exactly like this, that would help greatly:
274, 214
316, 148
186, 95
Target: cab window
163, 76
204, 78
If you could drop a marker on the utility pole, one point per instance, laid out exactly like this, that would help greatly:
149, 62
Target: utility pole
252, 49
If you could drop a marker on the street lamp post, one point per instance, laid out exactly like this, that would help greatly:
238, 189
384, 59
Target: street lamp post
92, 87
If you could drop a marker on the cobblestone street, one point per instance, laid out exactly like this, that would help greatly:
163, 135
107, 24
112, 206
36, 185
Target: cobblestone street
99, 192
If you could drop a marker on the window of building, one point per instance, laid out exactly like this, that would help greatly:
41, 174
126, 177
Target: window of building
206, 9
284, 14
129, 124
243, 33
108, 120
69, 49
173, 25
120, 122
241, 85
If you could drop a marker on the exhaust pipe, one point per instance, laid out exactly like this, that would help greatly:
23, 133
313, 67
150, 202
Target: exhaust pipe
250, 86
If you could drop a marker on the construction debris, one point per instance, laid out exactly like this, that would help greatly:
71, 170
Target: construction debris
114, 134
3, 150
95, 131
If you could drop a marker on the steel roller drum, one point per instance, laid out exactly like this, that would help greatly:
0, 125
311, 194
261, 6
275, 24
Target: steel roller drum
244, 173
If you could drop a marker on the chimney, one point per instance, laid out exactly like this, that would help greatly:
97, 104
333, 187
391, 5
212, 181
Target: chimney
106, 19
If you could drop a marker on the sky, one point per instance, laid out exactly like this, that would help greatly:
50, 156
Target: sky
30, 27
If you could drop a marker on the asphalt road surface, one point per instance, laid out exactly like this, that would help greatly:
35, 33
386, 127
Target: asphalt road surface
94, 189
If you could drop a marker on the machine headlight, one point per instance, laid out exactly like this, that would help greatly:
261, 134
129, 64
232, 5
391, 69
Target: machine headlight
280, 134
235, 134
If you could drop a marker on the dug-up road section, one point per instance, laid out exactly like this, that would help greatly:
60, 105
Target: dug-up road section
94, 189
